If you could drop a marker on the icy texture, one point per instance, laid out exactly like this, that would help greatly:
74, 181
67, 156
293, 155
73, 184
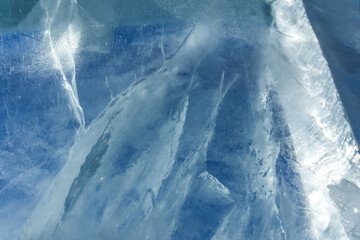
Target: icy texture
345, 195
169, 119
337, 24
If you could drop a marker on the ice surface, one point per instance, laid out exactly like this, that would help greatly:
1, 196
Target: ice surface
337, 26
171, 119
345, 195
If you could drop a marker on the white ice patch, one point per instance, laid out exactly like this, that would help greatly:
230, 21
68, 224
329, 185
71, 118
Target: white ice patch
214, 184
323, 140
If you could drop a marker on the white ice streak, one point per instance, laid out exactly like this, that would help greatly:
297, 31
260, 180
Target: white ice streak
63, 48
126, 112
323, 140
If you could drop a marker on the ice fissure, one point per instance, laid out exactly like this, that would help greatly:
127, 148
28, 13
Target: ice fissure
179, 120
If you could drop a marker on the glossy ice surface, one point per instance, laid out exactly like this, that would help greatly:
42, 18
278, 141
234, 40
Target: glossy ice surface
166, 119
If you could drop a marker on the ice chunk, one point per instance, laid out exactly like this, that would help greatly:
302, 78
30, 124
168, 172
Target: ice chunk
346, 197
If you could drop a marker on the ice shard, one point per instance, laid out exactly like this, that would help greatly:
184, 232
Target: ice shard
170, 119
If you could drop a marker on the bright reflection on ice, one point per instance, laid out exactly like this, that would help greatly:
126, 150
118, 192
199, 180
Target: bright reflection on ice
209, 120
323, 139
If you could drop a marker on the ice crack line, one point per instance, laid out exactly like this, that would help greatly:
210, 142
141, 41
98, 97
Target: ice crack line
63, 50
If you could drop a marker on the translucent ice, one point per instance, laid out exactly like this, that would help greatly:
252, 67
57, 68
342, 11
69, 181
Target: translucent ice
178, 120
